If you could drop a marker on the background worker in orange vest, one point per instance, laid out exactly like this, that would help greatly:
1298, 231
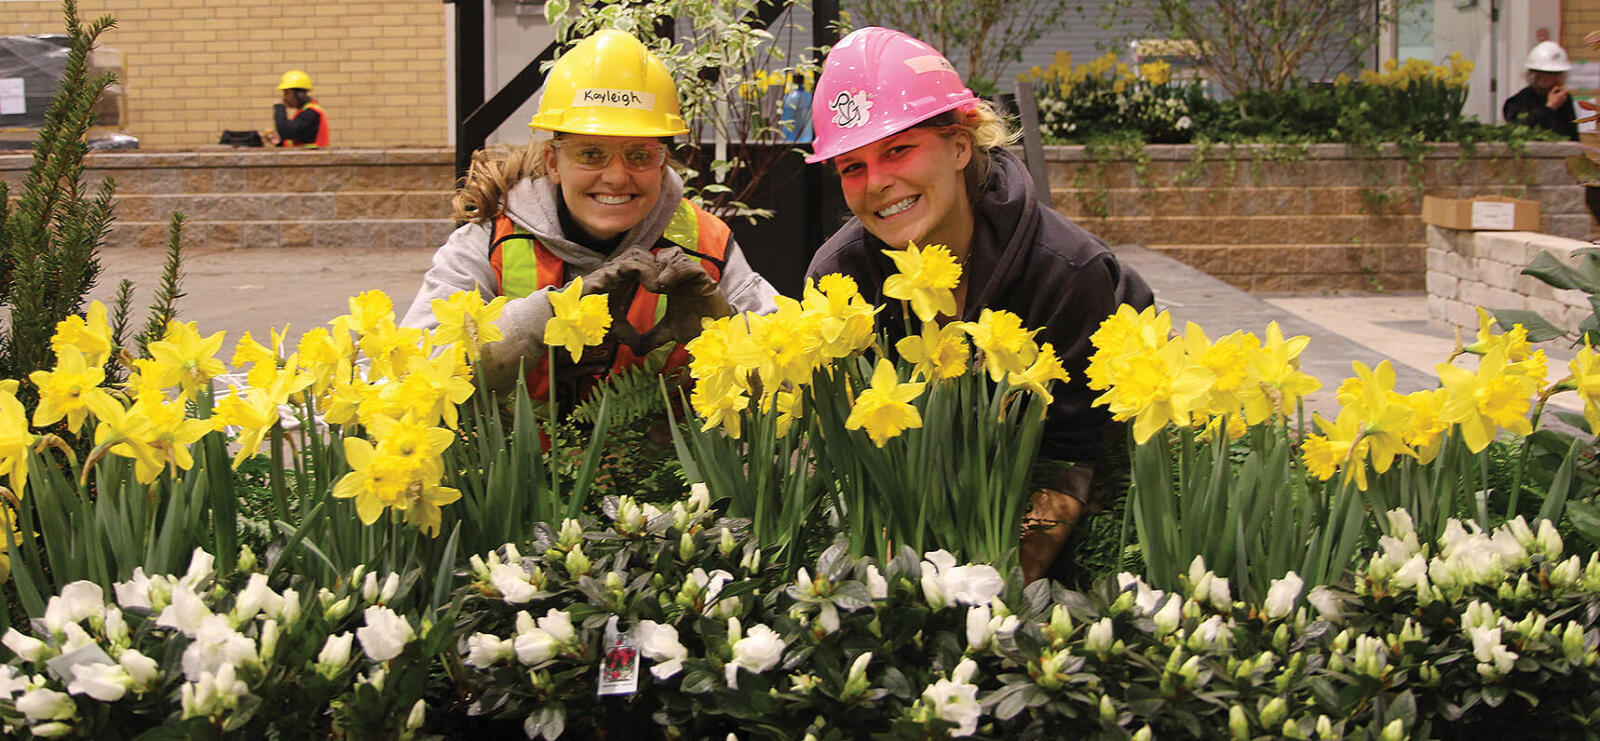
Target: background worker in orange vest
597, 200
299, 121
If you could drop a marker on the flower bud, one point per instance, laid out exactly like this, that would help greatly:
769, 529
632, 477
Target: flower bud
1572, 641
391, 585
1060, 627
1324, 727
1292, 730
246, 560
576, 562
1143, 734
751, 562
1108, 710
855, 683
686, 547
480, 570
269, 640
1169, 615
571, 534
336, 611
725, 543
1099, 637
1280, 639
369, 588
418, 713
1272, 714
1190, 671
1238, 724
1394, 731
357, 573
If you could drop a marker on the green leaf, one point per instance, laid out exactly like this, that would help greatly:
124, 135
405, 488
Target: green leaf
1539, 329
699, 682
1553, 271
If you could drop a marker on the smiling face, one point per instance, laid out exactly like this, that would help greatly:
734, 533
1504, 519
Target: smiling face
909, 187
608, 201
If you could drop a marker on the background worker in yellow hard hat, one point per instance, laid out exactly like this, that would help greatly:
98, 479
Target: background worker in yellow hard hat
596, 200
298, 120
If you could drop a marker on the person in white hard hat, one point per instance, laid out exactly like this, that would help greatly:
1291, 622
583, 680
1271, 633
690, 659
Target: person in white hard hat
1545, 103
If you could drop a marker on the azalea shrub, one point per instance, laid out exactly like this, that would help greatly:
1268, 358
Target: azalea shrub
677, 615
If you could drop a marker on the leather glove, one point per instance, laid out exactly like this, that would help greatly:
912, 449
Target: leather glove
619, 278
692, 295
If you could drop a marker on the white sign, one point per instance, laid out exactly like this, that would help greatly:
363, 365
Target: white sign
1493, 215
13, 101
609, 98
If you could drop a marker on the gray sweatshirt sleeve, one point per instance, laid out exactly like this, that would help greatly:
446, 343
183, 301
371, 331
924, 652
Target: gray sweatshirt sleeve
463, 264
745, 289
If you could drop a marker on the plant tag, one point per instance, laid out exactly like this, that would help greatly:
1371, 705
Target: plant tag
1492, 215
619, 671
61, 666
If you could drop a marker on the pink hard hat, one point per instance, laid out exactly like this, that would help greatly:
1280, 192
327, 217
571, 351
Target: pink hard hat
877, 82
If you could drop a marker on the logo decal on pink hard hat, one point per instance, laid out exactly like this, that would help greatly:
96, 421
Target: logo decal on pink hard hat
850, 109
878, 82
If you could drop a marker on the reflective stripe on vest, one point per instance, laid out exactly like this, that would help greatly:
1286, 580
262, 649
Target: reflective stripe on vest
523, 265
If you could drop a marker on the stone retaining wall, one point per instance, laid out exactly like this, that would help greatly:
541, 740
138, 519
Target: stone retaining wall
1320, 219
1468, 269
275, 198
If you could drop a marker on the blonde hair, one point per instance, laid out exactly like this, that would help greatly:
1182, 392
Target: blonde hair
988, 131
493, 173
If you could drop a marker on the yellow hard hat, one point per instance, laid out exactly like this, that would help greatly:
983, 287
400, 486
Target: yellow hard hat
610, 85
295, 79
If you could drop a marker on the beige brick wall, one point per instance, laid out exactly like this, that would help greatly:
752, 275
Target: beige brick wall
1469, 269
196, 67
1579, 17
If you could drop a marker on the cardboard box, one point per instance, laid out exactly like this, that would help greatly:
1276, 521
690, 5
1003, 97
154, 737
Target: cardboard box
1484, 213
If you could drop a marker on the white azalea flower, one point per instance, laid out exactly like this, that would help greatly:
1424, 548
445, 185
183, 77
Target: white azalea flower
659, 643
511, 581
186, 610
535, 647
335, 654
759, 650
43, 704
877, 586
215, 643
103, 682
385, 635
25, 646
559, 625
955, 700
945, 584
1282, 594
77, 601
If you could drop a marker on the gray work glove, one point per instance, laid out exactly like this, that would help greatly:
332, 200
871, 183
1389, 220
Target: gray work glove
692, 295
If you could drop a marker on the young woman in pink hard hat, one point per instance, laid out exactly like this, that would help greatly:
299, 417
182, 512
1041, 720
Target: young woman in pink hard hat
921, 159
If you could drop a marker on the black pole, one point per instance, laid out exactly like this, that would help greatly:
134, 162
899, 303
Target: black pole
469, 79
824, 15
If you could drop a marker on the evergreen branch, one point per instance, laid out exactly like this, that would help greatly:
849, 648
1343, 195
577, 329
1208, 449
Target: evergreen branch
165, 306
635, 394
121, 312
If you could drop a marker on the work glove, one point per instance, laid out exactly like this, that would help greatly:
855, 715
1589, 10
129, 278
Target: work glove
619, 278
692, 295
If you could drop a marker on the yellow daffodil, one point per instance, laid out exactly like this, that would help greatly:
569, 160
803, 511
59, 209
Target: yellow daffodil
414, 443
1228, 359
128, 433
391, 347
1425, 433
1037, 377
711, 352
720, 400
1006, 346
15, 441
789, 345
939, 353
928, 277
579, 321
88, 334
367, 311
172, 432
1280, 383
375, 482
1514, 342
790, 404
254, 412
185, 359
424, 510
71, 390
341, 405
263, 360
465, 320
1384, 414
1124, 334
1158, 388
1339, 446
884, 410
323, 354
1487, 400
435, 386
842, 319
1585, 380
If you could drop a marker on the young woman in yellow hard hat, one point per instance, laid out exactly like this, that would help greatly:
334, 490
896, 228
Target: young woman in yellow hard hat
298, 121
597, 200
921, 159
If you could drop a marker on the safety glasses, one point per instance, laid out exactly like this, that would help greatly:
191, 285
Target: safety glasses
591, 155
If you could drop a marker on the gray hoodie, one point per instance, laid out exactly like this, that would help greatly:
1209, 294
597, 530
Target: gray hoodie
463, 263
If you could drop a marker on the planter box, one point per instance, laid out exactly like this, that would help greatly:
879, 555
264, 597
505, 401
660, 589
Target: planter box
1323, 218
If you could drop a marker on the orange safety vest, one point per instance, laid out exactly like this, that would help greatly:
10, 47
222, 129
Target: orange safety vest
322, 127
523, 265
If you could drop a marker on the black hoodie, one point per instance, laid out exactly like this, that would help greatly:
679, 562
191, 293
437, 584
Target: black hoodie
1029, 260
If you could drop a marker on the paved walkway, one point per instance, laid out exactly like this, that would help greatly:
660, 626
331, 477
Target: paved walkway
256, 289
